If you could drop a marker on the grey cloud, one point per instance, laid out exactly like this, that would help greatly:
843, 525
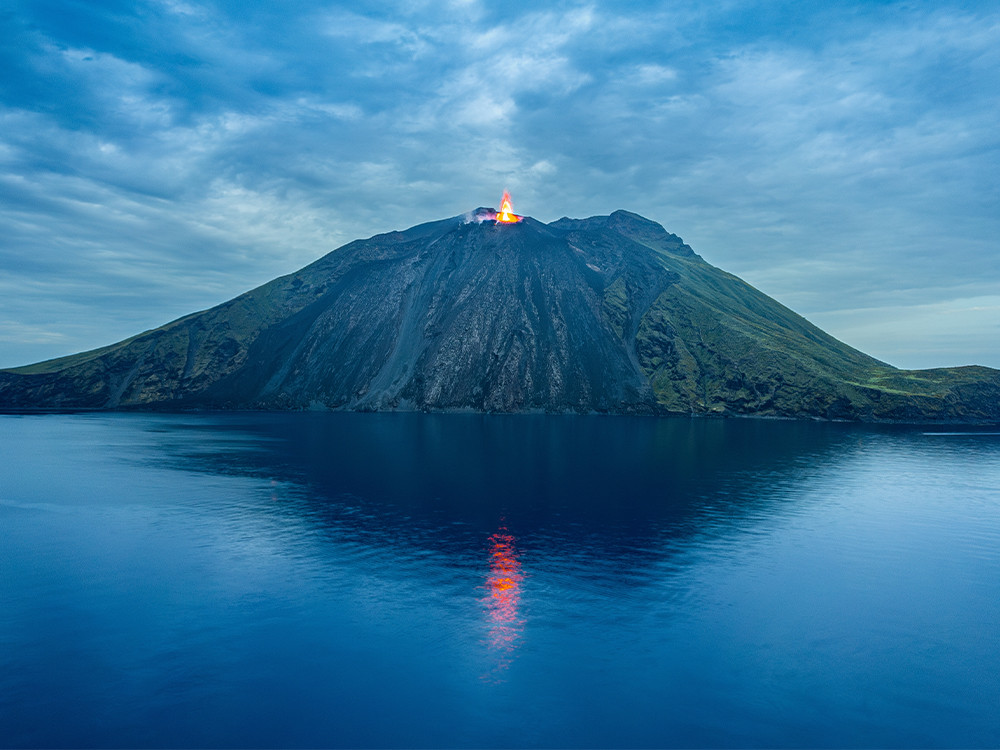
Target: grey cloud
205, 148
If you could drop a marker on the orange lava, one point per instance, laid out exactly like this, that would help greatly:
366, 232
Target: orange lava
506, 214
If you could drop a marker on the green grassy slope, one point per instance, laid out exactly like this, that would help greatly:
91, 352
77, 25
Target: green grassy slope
714, 344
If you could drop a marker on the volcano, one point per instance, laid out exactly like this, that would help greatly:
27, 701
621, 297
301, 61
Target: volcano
611, 314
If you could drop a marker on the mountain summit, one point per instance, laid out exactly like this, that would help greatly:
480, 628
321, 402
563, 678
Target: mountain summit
608, 314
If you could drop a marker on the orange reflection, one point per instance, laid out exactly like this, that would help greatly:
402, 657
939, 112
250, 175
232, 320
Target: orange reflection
503, 598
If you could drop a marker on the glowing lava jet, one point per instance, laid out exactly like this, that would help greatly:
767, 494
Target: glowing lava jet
506, 214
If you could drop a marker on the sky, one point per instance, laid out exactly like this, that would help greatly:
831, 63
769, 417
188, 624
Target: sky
159, 157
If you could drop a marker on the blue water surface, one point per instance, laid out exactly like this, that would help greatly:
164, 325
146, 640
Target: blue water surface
408, 580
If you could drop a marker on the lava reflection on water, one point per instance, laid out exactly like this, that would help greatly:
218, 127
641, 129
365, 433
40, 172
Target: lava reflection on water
503, 597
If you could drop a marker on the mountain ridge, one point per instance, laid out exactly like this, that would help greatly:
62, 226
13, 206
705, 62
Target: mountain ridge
609, 314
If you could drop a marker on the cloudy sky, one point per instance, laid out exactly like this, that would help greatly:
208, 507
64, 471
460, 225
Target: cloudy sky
161, 156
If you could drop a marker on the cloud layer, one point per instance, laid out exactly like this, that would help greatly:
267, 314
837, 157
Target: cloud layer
160, 157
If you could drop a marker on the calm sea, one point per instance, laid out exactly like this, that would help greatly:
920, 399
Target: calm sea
404, 580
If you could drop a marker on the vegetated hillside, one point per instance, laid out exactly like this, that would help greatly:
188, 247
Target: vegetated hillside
607, 314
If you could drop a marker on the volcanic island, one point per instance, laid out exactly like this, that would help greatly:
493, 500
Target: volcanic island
494, 312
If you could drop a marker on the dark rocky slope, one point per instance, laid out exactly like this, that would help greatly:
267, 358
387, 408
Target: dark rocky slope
607, 314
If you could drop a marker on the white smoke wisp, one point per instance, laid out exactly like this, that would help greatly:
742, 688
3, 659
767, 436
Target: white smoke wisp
479, 216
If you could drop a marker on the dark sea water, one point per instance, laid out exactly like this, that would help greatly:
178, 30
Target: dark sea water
411, 580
